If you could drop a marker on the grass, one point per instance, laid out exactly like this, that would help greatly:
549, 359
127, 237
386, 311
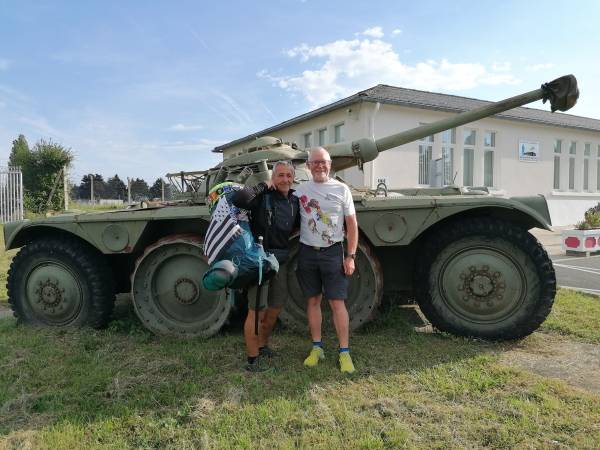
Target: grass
123, 387
576, 315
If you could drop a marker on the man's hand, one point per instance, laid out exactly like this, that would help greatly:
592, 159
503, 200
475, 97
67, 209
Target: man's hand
348, 265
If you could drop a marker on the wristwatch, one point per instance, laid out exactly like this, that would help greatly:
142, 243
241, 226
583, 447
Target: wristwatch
351, 255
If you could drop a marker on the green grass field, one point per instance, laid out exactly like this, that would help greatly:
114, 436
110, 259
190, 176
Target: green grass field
123, 387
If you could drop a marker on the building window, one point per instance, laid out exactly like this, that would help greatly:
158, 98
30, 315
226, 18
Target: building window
557, 151
572, 151
468, 156
448, 142
557, 146
598, 170
338, 133
587, 151
322, 136
308, 140
425, 151
489, 142
571, 173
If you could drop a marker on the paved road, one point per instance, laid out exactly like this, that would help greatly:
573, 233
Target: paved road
578, 272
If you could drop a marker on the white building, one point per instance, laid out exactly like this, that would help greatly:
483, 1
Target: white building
524, 151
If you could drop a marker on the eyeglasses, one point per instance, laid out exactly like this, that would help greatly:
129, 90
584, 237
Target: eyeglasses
320, 162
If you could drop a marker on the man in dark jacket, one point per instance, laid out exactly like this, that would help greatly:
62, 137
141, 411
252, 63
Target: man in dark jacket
274, 216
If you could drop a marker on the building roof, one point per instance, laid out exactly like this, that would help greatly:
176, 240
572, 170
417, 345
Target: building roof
383, 93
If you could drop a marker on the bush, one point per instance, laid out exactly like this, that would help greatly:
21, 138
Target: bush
591, 219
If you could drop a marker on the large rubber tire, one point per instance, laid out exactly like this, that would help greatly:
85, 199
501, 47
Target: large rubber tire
485, 278
364, 293
167, 291
60, 281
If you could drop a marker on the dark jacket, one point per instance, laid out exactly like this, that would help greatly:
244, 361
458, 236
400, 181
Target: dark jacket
284, 217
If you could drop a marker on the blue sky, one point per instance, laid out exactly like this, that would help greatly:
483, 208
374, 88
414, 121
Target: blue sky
142, 88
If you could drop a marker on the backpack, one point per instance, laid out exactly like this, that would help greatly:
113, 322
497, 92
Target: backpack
236, 261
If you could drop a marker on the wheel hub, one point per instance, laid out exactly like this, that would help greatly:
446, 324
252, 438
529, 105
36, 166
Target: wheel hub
49, 293
479, 284
186, 291
54, 293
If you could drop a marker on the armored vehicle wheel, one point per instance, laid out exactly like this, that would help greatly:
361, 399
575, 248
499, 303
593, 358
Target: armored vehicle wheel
167, 290
485, 278
364, 294
60, 282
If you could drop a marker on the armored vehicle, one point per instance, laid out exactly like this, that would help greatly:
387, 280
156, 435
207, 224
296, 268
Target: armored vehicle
464, 255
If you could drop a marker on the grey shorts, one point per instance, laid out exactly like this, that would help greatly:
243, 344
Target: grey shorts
321, 271
274, 294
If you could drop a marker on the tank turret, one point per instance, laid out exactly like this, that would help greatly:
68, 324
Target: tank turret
252, 165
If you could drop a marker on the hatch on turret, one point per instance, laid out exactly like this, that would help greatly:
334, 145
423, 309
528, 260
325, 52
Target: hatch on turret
263, 142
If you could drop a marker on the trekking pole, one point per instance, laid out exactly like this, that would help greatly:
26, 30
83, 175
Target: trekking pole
258, 292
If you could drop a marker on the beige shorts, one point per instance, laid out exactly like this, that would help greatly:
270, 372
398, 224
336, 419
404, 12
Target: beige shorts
273, 295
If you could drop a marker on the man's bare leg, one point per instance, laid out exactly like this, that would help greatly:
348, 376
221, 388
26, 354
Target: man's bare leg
313, 312
252, 340
268, 323
341, 321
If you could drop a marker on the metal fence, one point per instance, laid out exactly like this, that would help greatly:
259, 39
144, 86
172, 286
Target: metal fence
11, 194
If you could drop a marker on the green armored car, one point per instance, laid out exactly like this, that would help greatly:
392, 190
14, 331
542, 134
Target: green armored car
466, 257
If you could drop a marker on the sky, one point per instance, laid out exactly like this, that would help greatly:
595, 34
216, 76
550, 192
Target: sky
143, 88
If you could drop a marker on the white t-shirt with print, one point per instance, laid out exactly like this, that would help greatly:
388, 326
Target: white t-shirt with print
323, 207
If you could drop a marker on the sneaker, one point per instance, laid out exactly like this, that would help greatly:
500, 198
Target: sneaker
266, 352
346, 365
259, 365
314, 356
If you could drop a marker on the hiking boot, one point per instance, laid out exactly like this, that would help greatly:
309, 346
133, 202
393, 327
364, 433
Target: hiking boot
266, 352
346, 365
314, 356
258, 365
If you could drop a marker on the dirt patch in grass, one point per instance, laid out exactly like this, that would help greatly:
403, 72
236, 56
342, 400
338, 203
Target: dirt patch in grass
576, 363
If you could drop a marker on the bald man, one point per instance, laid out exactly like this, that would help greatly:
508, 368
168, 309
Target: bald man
323, 267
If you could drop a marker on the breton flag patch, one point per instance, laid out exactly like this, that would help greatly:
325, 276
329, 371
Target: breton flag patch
222, 229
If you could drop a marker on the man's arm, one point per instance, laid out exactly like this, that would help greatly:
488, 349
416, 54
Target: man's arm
352, 236
249, 197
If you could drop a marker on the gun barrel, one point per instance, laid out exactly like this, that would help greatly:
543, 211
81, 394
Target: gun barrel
562, 94
415, 134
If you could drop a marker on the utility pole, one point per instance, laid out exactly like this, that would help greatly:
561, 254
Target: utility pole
128, 191
66, 186
91, 188
162, 189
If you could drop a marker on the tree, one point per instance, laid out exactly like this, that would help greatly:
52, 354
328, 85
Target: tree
139, 190
20, 156
41, 168
116, 188
156, 189
100, 187
20, 153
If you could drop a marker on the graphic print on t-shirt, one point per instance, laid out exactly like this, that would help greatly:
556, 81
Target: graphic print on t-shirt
318, 215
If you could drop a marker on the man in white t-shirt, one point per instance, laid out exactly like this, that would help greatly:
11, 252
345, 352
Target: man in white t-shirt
323, 268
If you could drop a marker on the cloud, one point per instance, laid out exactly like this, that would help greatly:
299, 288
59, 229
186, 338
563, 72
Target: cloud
182, 127
501, 66
347, 66
4, 64
537, 67
375, 32
41, 125
396, 31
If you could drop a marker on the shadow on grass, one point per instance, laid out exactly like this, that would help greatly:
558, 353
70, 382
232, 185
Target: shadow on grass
79, 376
